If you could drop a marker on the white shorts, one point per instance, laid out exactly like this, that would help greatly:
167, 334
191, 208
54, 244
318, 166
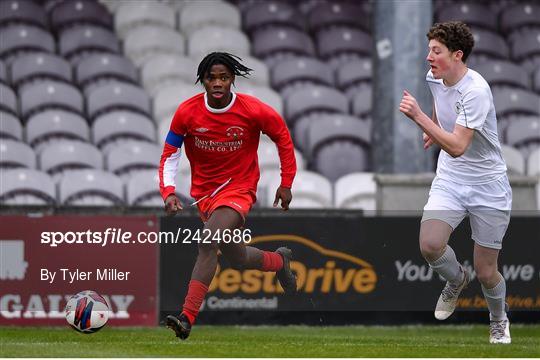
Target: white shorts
488, 206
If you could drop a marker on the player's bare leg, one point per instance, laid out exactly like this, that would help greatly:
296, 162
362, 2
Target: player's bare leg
248, 257
203, 272
434, 235
494, 289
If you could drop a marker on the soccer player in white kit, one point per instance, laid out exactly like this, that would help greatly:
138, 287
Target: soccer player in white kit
471, 174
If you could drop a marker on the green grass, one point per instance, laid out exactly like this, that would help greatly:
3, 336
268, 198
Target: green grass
270, 341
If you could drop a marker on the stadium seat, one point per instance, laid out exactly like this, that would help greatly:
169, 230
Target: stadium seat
310, 191
64, 156
79, 12
17, 39
339, 146
260, 74
90, 188
335, 41
198, 14
514, 100
117, 96
77, 42
352, 73
518, 16
8, 99
22, 11
3, 73
118, 126
302, 69
142, 190
215, 38
146, 41
269, 157
525, 43
515, 162
536, 80
16, 154
49, 126
524, 134
49, 94
40, 66
332, 14
272, 13
264, 192
317, 98
356, 191
99, 68
133, 14
10, 126
362, 100
473, 14
263, 93
281, 42
183, 185
26, 187
489, 44
130, 156
505, 73
533, 163
167, 99
162, 70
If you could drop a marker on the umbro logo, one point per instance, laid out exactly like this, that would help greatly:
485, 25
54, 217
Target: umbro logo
201, 129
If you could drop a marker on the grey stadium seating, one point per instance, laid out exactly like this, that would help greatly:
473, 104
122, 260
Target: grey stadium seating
26, 187
10, 127
90, 188
524, 134
51, 125
132, 14
77, 42
317, 98
40, 66
22, 11
17, 39
272, 13
490, 44
304, 69
132, 156
332, 42
3, 73
354, 72
162, 70
116, 126
142, 189
198, 14
68, 155
520, 15
279, 42
146, 41
362, 101
356, 191
499, 72
16, 154
339, 146
78, 12
116, 95
215, 38
98, 68
49, 94
515, 162
310, 191
473, 14
514, 100
8, 99
533, 163
525, 43
332, 14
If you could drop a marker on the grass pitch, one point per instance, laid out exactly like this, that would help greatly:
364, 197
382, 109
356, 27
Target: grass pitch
271, 341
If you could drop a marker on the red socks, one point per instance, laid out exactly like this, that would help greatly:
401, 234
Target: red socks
271, 261
194, 298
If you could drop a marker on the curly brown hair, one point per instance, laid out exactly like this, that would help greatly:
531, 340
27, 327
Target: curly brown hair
456, 35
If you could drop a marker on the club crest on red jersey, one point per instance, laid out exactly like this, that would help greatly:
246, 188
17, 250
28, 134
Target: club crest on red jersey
235, 132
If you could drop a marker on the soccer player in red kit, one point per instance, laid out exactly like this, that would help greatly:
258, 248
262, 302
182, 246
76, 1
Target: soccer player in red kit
220, 130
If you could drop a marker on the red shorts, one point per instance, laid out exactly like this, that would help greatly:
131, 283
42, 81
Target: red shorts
239, 200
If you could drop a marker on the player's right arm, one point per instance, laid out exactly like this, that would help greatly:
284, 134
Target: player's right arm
427, 140
168, 164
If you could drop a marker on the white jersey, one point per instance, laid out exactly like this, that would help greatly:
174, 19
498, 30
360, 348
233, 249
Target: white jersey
468, 103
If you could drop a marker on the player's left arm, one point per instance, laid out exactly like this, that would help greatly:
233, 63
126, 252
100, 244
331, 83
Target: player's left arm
454, 143
274, 126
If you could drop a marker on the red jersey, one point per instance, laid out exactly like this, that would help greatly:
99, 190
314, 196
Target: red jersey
221, 145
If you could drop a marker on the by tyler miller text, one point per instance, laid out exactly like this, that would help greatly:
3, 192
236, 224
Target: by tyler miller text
73, 275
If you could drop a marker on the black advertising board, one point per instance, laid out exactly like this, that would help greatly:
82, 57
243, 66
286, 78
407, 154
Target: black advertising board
347, 263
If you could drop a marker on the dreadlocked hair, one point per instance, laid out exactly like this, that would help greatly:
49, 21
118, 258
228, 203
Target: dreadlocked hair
221, 58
